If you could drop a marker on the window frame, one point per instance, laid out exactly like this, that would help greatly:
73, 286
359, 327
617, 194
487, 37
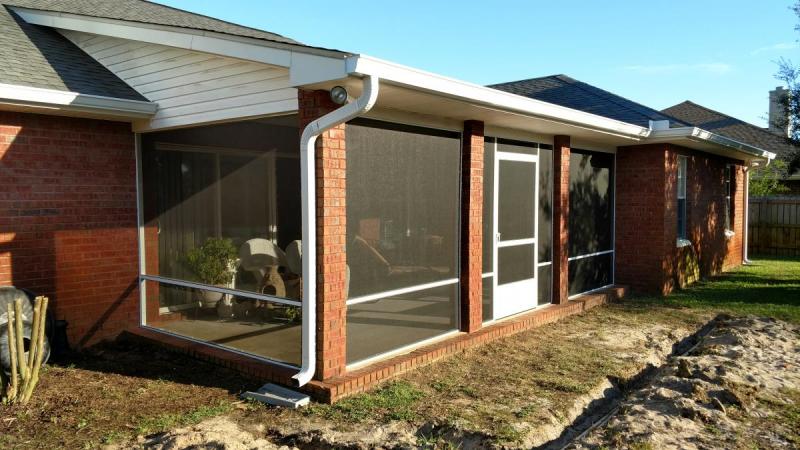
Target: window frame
729, 191
681, 187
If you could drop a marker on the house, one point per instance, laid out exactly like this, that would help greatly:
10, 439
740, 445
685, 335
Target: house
772, 138
324, 218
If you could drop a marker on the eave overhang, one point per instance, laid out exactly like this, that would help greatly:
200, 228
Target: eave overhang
406, 88
699, 139
50, 101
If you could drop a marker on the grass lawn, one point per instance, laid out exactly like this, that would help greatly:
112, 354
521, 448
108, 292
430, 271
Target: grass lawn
119, 391
767, 287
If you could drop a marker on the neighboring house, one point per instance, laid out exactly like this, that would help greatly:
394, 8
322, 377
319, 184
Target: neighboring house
426, 209
771, 139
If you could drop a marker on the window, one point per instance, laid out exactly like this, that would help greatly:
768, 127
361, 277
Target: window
728, 197
402, 235
682, 161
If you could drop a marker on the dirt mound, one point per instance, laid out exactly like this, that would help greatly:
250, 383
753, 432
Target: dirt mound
728, 392
219, 433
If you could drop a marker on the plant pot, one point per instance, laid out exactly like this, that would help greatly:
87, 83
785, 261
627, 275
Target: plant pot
209, 299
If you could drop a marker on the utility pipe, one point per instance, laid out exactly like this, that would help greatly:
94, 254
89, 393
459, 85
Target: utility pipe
308, 140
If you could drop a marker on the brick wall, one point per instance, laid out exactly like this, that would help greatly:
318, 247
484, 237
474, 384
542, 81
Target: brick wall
331, 166
706, 212
472, 226
640, 216
647, 258
561, 155
68, 219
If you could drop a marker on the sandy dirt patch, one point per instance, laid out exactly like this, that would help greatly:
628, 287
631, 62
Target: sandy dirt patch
739, 388
219, 433
519, 392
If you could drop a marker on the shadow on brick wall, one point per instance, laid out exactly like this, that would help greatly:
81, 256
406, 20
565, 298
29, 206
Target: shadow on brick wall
68, 219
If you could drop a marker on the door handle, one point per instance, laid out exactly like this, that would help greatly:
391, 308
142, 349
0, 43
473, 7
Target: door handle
497, 236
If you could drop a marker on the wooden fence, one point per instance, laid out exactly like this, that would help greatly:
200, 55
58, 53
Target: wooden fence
774, 226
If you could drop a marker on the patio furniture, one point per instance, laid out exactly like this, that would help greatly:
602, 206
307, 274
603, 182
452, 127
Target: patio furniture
256, 255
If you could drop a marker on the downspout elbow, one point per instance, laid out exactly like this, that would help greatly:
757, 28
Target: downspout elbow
308, 139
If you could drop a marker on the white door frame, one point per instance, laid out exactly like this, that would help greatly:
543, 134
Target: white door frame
519, 296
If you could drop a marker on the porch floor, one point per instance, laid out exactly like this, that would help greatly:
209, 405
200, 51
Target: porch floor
279, 342
361, 379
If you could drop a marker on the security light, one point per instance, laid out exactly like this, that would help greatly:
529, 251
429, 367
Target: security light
339, 95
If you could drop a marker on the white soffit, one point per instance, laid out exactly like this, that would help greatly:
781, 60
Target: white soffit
72, 103
488, 97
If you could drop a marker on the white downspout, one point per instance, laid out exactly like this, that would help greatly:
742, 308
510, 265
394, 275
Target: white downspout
308, 140
746, 213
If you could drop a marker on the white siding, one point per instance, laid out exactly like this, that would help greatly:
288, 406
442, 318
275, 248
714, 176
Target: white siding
191, 87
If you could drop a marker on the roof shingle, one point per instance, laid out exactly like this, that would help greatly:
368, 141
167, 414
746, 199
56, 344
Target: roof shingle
565, 91
147, 12
731, 127
41, 57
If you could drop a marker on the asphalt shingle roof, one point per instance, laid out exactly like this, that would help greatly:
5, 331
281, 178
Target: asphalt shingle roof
36, 56
565, 91
147, 12
731, 127
41, 57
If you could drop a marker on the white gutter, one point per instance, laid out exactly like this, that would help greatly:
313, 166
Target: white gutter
32, 97
699, 135
308, 139
361, 65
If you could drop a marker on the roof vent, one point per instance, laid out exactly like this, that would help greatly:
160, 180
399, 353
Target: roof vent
659, 125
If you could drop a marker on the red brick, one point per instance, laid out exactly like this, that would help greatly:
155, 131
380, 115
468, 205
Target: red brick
331, 230
647, 258
68, 218
472, 226
561, 155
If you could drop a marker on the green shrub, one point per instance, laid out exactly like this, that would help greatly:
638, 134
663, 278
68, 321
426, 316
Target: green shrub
212, 261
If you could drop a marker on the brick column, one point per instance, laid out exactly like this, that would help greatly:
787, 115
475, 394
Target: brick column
331, 236
561, 153
471, 226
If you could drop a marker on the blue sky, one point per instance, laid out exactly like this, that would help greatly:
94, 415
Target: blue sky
719, 53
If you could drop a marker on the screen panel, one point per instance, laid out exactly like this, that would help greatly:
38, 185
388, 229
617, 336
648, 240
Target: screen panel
390, 323
488, 205
545, 284
545, 237
260, 328
516, 200
403, 197
590, 273
515, 263
403, 201
591, 202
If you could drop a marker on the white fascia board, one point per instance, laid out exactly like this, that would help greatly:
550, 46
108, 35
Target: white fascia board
699, 135
249, 49
308, 69
360, 65
74, 101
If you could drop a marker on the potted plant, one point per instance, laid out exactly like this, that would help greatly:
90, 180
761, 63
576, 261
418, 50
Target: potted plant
213, 263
